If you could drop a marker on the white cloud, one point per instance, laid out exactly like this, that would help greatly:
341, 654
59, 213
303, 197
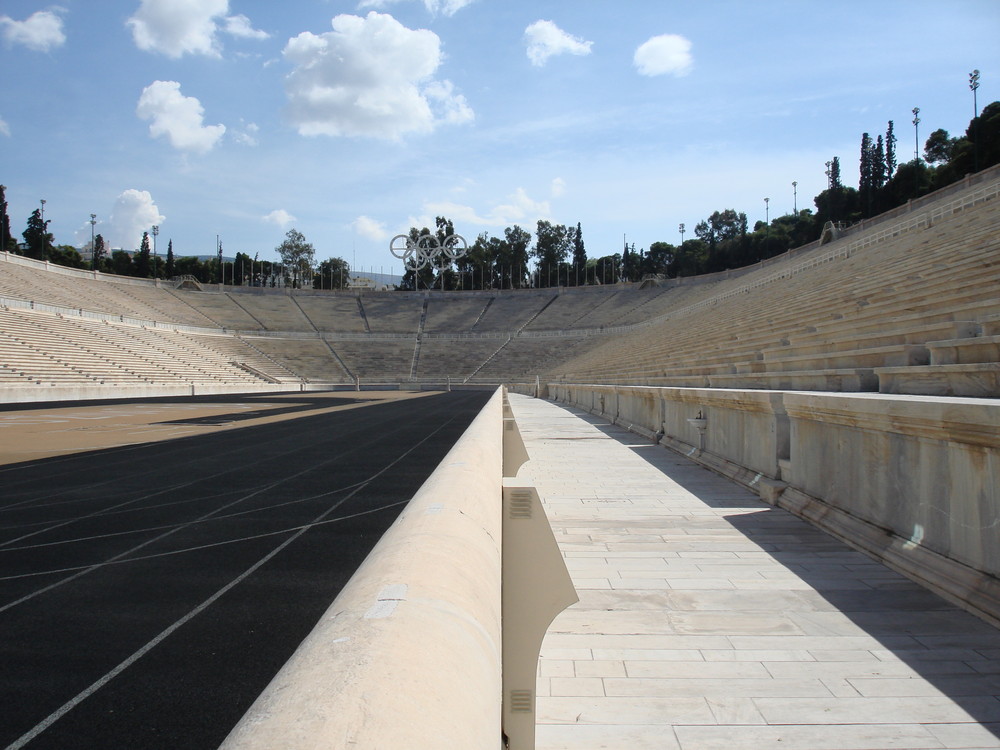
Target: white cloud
664, 54
279, 216
247, 136
519, 208
134, 213
370, 77
41, 31
444, 7
558, 187
370, 228
546, 40
4, 128
178, 27
240, 26
178, 117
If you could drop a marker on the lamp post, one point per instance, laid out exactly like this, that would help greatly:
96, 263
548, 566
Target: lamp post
916, 133
974, 87
45, 240
156, 231
93, 243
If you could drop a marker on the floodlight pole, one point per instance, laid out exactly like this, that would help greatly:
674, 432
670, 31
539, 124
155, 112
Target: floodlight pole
93, 242
974, 86
45, 239
795, 197
916, 133
156, 231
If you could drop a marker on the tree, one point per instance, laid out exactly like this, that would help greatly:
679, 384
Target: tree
890, 152
121, 263
332, 273
579, 253
36, 236
99, 252
143, 267
866, 179
7, 243
171, 270
297, 255
551, 249
938, 147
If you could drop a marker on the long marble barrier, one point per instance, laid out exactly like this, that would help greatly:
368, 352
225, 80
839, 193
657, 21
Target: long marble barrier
911, 480
434, 641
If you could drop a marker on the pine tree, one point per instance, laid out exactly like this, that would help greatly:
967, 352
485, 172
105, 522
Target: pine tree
171, 270
579, 252
142, 264
7, 243
99, 251
878, 165
36, 237
835, 183
866, 178
890, 152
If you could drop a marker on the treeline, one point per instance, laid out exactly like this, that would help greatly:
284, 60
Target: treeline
556, 255
297, 266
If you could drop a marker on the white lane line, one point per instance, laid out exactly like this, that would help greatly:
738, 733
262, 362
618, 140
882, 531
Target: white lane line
52, 718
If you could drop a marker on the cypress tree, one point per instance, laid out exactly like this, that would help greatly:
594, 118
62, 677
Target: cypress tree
171, 270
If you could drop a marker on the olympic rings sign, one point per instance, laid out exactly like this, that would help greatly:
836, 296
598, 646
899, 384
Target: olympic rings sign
427, 250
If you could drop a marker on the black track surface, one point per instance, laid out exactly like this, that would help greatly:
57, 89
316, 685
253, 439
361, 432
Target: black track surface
148, 594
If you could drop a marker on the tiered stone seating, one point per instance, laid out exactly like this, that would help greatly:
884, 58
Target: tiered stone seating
46, 348
220, 309
309, 359
454, 358
388, 360
565, 311
447, 314
333, 313
393, 313
512, 310
886, 310
276, 312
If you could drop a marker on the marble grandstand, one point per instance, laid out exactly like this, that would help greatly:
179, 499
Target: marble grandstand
905, 303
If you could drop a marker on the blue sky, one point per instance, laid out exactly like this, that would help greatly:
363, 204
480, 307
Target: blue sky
351, 121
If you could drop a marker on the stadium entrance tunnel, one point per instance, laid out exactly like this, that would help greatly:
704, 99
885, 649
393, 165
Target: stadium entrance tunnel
434, 641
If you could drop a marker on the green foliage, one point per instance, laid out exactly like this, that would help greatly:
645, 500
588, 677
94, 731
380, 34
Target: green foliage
36, 236
297, 256
332, 273
7, 242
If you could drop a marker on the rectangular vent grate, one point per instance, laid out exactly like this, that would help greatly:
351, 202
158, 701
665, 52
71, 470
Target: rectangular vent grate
520, 701
520, 504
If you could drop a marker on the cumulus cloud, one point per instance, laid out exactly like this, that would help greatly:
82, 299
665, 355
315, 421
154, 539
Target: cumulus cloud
240, 26
279, 216
545, 40
178, 27
444, 7
41, 31
667, 54
370, 76
180, 118
519, 208
558, 187
134, 213
4, 128
370, 228
247, 135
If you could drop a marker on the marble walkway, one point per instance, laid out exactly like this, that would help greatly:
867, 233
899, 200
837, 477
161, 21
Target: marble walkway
708, 619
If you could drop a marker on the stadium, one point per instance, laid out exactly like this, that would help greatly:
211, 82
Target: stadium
853, 383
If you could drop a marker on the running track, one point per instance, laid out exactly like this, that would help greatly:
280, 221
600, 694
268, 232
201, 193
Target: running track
149, 593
